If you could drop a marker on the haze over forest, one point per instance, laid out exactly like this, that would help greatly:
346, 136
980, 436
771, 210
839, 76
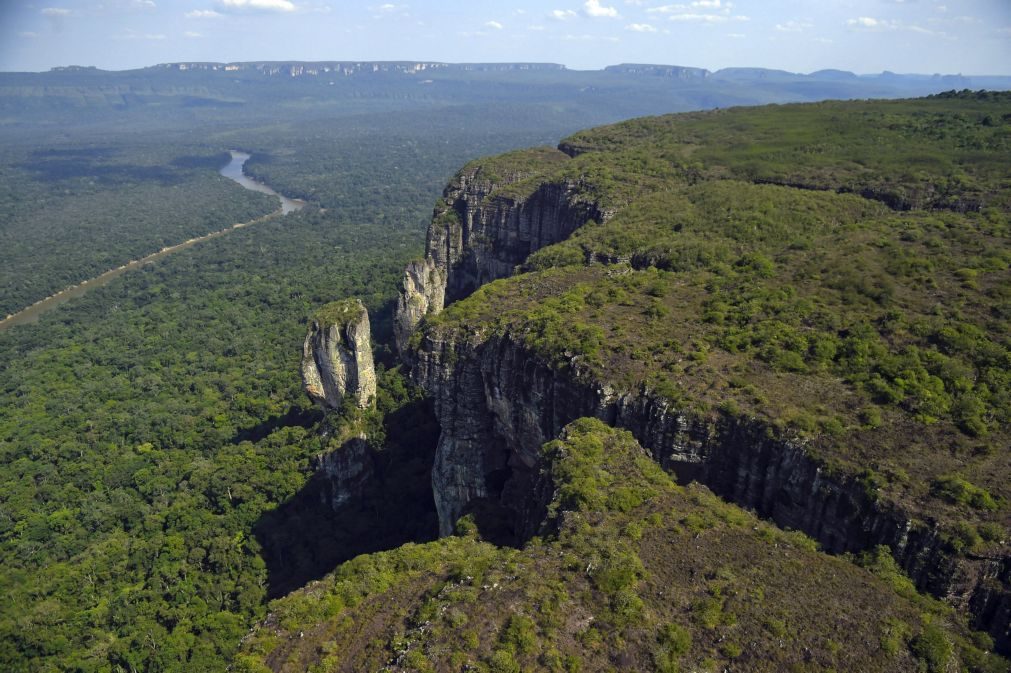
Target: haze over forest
863, 36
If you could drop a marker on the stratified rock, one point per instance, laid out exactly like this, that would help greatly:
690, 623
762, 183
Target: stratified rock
337, 356
423, 292
486, 225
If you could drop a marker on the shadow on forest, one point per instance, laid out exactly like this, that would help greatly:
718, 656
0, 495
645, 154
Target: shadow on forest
305, 538
69, 164
298, 416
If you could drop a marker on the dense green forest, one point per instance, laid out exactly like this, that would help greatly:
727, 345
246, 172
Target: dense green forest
71, 213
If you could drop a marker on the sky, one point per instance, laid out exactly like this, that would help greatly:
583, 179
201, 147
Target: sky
972, 37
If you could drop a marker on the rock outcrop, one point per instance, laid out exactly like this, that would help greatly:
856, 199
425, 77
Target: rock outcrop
482, 229
337, 356
498, 402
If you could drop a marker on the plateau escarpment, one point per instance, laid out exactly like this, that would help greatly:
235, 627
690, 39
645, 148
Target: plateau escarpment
630, 570
491, 218
836, 365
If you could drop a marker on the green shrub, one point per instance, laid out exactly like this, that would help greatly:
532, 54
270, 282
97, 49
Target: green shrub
956, 490
932, 648
520, 634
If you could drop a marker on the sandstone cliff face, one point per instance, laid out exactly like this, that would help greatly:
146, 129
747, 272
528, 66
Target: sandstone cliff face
497, 403
481, 232
337, 356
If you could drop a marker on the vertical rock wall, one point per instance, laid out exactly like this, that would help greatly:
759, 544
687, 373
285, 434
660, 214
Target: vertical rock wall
481, 231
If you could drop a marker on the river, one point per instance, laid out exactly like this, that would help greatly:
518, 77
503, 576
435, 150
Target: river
233, 171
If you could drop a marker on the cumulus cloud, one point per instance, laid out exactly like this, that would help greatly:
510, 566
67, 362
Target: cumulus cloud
55, 11
262, 5
594, 9
562, 14
494, 25
640, 28
202, 14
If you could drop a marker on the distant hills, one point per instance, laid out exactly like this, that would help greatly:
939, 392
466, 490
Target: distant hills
187, 93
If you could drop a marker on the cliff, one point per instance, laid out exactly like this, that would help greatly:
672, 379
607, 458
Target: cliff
491, 218
739, 327
337, 356
497, 402
631, 571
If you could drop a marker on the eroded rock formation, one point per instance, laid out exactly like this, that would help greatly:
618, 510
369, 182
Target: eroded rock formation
337, 356
482, 229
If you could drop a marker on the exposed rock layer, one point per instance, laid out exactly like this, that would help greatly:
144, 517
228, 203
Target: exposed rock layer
480, 232
337, 356
497, 403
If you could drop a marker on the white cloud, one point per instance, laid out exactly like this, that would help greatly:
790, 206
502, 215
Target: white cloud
264, 5
55, 11
562, 14
593, 8
867, 22
737, 36
640, 28
28, 35
193, 34
870, 23
700, 11
792, 26
536, 28
494, 24
202, 14
144, 4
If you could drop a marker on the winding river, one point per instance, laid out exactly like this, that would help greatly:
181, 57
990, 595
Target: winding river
233, 171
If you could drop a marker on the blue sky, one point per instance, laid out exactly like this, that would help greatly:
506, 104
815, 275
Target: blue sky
865, 36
